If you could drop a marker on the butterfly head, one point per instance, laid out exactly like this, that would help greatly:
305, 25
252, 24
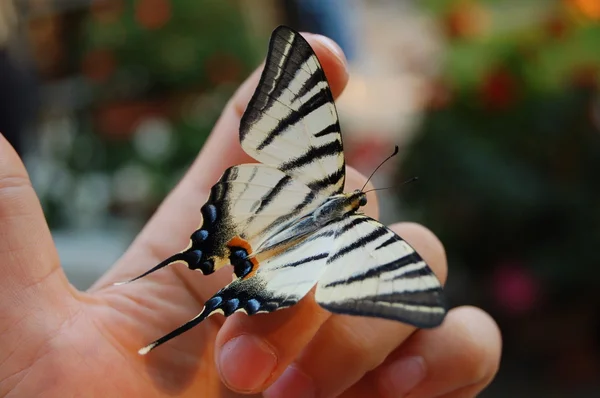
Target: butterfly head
357, 199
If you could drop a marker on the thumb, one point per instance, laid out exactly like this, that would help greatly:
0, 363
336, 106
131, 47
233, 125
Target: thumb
30, 271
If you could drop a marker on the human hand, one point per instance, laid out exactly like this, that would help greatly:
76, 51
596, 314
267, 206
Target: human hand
57, 341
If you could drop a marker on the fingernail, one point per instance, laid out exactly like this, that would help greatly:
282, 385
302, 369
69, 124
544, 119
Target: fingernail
402, 376
293, 383
332, 46
246, 362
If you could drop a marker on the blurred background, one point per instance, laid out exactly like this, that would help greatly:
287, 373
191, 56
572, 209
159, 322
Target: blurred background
495, 105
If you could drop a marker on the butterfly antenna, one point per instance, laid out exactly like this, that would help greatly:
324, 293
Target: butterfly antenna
168, 261
413, 179
381, 164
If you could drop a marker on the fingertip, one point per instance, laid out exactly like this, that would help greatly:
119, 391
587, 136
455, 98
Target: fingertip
246, 363
329, 44
285, 333
332, 59
485, 349
462, 354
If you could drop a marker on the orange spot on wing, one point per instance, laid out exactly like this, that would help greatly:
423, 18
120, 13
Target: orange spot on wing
237, 241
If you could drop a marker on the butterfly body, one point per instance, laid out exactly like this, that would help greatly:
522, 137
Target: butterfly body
285, 225
335, 208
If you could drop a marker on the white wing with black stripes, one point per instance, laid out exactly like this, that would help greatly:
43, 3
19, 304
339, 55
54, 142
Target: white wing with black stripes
374, 272
285, 226
291, 122
248, 204
281, 280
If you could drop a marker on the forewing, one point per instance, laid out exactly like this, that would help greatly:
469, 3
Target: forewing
374, 272
245, 207
291, 122
255, 200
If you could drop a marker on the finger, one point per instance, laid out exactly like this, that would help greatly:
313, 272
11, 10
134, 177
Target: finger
254, 351
346, 348
29, 264
457, 359
179, 214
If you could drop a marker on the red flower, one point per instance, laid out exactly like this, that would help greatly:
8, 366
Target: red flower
499, 89
107, 11
153, 14
556, 26
515, 288
585, 76
467, 19
99, 65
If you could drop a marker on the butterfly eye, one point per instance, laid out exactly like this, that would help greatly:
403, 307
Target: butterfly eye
363, 200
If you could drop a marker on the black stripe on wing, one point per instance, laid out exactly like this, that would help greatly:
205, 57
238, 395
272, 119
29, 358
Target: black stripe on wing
378, 270
287, 52
292, 99
313, 154
374, 272
314, 103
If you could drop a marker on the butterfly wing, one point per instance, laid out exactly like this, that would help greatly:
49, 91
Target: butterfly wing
282, 279
374, 272
291, 122
244, 208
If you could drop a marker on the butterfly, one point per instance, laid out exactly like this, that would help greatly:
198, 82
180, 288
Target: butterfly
285, 224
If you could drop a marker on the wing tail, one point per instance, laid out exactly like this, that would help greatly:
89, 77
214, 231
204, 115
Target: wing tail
173, 259
212, 306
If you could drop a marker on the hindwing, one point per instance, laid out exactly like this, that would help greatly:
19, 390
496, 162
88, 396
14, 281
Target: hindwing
374, 272
280, 281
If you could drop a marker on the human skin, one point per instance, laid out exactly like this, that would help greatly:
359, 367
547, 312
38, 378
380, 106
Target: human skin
56, 341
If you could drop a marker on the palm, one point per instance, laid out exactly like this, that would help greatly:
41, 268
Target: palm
98, 333
109, 328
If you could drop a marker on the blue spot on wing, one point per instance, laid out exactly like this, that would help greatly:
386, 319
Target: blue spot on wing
210, 213
252, 306
230, 306
213, 303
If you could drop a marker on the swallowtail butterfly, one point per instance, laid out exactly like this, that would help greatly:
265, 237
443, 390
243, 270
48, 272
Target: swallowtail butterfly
286, 225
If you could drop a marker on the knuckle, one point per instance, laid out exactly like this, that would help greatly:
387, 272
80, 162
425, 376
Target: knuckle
358, 346
12, 191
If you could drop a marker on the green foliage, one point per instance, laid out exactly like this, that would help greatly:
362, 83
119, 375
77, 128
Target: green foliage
509, 164
155, 76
